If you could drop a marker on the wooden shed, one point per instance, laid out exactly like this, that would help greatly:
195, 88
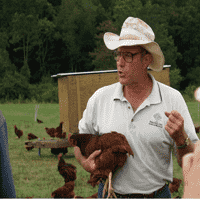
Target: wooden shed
74, 90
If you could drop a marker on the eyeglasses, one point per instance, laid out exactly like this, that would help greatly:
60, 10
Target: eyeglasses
127, 56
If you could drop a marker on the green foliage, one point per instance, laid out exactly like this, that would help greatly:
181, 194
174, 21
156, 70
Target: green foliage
103, 58
25, 71
5, 63
12, 85
188, 94
175, 78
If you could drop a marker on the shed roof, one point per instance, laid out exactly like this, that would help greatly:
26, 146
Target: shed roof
91, 72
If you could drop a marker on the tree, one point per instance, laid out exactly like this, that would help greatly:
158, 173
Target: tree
45, 32
103, 58
77, 28
24, 28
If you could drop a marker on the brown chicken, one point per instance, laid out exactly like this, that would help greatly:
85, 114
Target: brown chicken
39, 121
66, 170
66, 191
31, 136
57, 151
58, 130
114, 148
197, 129
29, 148
18, 132
60, 135
50, 131
174, 186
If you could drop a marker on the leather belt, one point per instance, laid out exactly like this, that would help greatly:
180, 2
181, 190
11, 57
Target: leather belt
127, 196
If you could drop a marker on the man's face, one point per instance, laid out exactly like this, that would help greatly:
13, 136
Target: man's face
130, 73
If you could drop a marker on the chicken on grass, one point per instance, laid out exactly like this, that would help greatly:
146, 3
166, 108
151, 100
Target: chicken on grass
68, 172
18, 132
50, 131
58, 132
174, 186
114, 148
57, 151
39, 121
55, 132
31, 136
66, 191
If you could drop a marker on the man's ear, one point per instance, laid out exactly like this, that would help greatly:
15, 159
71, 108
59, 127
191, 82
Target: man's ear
147, 59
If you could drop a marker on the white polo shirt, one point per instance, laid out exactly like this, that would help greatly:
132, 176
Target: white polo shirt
108, 110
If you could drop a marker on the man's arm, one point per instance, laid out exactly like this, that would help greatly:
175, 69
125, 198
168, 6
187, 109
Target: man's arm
87, 163
79, 157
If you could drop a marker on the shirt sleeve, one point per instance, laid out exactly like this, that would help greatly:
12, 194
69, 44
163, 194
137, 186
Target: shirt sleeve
7, 188
189, 128
87, 124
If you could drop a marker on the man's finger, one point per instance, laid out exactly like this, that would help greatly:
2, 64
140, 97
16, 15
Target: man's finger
176, 114
95, 154
167, 114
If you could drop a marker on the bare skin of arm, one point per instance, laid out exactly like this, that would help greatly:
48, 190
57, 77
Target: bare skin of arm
87, 163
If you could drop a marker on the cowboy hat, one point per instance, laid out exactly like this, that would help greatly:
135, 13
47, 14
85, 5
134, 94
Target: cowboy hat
136, 32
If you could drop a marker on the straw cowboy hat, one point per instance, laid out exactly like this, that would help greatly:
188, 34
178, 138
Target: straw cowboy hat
136, 32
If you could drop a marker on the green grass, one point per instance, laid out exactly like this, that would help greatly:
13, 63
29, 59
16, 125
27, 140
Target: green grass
38, 176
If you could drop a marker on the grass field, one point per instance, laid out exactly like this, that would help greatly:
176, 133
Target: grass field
38, 176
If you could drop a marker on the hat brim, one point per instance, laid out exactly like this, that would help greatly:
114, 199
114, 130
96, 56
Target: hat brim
112, 42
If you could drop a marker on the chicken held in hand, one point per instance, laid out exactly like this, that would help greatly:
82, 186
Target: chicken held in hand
18, 132
114, 148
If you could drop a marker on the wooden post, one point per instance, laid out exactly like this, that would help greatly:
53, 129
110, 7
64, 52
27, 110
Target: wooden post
36, 109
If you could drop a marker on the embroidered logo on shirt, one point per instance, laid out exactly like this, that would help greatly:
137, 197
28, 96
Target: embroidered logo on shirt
157, 120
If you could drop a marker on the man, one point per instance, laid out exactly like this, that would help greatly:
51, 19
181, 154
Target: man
153, 117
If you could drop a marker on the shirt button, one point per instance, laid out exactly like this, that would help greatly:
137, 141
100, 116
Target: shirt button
132, 120
129, 107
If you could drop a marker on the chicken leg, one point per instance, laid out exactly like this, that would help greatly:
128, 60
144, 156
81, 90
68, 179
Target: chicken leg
105, 187
108, 187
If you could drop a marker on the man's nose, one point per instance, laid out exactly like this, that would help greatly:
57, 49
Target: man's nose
121, 61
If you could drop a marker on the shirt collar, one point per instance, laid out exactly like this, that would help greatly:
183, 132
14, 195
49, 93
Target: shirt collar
153, 98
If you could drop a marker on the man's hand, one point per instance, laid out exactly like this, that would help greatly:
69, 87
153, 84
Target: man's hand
175, 126
89, 164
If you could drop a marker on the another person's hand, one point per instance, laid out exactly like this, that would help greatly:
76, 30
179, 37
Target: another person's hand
89, 164
191, 173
